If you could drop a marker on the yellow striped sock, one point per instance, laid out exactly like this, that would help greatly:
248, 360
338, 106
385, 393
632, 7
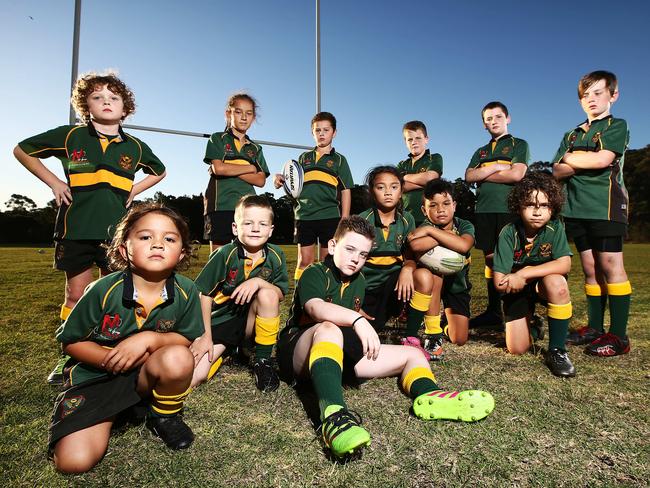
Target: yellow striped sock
420, 301
415, 374
215, 367
266, 330
297, 274
563, 311
328, 350
432, 324
594, 290
168, 404
619, 289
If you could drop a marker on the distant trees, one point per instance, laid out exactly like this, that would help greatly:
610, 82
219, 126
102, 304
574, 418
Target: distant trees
24, 223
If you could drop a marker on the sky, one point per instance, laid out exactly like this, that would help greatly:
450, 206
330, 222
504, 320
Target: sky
382, 63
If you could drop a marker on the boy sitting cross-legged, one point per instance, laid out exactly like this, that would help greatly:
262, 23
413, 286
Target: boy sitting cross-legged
326, 337
241, 288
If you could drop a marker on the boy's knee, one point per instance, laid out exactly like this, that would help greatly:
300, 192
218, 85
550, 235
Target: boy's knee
75, 460
267, 297
517, 350
327, 331
176, 362
423, 280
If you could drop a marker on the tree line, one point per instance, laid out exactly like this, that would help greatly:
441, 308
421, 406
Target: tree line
25, 223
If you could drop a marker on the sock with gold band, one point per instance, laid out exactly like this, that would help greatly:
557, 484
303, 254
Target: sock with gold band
418, 306
432, 324
418, 381
326, 370
596, 305
620, 295
558, 324
266, 333
167, 405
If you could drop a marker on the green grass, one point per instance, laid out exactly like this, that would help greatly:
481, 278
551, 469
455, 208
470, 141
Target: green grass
590, 430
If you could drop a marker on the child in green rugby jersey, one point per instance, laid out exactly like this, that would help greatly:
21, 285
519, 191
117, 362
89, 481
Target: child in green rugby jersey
237, 164
326, 193
590, 162
100, 161
128, 339
241, 288
327, 341
388, 270
441, 228
531, 261
494, 169
419, 168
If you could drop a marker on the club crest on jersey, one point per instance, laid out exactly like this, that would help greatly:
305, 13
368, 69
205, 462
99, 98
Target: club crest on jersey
78, 156
232, 276
505, 150
69, 405
328, 299
125, 161
307, 161
545, 249
250, 153
357, 303
265, 274
518, 254
228, 147
399, 240
573, 138
111, 326
165, 325
596, 137
483, 153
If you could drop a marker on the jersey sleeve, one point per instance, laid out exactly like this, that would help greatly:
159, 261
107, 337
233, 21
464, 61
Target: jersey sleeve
280, 276
190, 323
149, 162
503, 252
560, 243
345, 176
408, 228
214, 149
312, 284
84, 317
46, 144
521, 153
212, 274
475, 161
435, 163
262, 162
562, 150
466, 228
616, 137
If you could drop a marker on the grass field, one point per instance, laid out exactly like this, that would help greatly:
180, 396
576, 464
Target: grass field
591, 430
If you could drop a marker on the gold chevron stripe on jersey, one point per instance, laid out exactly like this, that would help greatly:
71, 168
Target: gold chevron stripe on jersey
78, 180
321, 177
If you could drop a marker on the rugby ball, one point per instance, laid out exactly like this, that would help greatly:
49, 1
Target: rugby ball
443, 261
293, 178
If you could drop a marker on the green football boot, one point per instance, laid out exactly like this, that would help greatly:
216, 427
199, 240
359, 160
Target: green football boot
343, 434
466, 406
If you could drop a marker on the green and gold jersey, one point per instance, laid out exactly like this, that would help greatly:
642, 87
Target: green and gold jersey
413, 199
230, 266
325, 176
458, 282
109, 311
223, 192
493, 197
514, 251
387, 253
598, 194
324, 280
99, 170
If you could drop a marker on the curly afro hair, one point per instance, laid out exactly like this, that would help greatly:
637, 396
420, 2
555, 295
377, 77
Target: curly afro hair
89, 82
536, 181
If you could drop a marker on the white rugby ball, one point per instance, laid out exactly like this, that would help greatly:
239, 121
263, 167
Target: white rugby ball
443, 261
293, 178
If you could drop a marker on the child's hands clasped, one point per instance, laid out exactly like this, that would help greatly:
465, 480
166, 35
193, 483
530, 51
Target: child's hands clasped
514, 283
245, 292
128, 354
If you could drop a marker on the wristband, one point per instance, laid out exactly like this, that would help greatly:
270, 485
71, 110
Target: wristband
355, 320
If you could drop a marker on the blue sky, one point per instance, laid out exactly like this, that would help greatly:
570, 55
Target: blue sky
383, 63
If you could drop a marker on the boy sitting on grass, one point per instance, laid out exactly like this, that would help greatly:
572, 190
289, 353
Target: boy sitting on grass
531, 261
241, 288
326, 338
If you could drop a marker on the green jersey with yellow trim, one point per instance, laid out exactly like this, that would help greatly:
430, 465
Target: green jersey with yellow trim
325, 176
458, 282
413, 199
514, 251
230, 266
324, 280
493, 197
109, 312
387, 253
99, 170
598, 194
223, 192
